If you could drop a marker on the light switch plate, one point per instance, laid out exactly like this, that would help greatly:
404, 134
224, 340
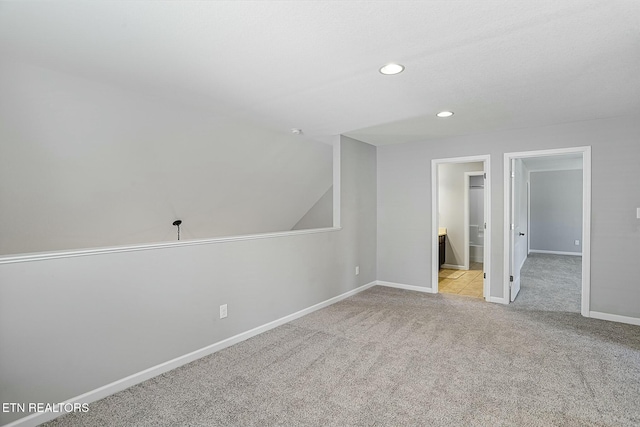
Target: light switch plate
638, 213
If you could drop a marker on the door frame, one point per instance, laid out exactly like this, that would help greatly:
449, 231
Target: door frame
435, 265
586, 217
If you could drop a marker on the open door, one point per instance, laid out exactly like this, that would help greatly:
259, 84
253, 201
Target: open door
516, 215
518, 226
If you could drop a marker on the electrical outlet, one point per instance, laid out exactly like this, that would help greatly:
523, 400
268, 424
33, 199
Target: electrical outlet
357, 270
576, 242
223, 311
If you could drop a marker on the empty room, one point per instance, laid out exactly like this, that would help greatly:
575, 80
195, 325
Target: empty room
319, 213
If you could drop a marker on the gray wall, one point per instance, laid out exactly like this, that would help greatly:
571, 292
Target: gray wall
451, 207
556, 210
68, 326
404, 204
87, 164
320, 215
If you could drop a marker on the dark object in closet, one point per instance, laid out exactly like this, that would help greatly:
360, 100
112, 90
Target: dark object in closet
441, 240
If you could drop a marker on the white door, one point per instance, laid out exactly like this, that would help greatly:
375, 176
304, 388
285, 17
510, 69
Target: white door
518, 226
485, 214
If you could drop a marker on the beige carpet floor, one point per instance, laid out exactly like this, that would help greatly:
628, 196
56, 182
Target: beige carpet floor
390, 357
550, 283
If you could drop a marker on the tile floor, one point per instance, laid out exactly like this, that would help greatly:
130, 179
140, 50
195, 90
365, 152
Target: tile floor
462, 282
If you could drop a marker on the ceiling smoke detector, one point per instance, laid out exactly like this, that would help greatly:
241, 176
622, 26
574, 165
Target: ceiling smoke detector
296, 131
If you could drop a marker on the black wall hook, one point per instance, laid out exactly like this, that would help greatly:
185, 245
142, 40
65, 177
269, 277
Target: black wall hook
177, 223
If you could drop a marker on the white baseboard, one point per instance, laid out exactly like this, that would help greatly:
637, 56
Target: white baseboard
540, 251
497, 300
403, 286
615, 318
124, 383
474, 259
454, 267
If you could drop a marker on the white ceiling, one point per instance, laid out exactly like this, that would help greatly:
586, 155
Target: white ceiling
314, 64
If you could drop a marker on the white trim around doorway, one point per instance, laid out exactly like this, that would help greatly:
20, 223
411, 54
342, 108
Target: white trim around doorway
486, 159
586, 216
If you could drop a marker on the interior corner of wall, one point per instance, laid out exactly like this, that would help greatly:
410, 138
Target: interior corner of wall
337, 187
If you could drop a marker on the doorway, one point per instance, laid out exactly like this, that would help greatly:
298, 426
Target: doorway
518, 240
474, 218
450, 218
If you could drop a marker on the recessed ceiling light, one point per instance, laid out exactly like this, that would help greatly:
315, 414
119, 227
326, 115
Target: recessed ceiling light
391, 69
445, 114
